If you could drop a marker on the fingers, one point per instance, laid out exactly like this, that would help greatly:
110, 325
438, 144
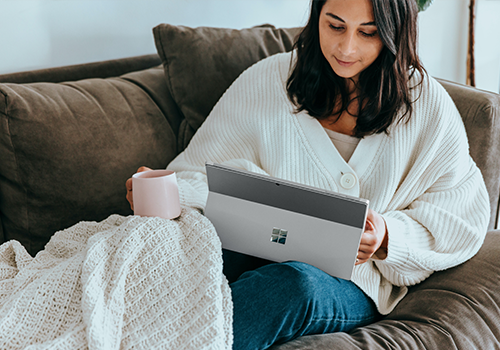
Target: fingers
369, 241
128, 186
364, 255
374, 239
143, 168
369, 226
130, 198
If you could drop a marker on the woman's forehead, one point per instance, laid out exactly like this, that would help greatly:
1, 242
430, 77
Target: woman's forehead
358, 12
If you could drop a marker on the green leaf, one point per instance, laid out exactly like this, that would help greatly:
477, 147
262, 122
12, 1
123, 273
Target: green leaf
423, 4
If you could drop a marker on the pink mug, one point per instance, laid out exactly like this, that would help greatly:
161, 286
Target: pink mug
156, 193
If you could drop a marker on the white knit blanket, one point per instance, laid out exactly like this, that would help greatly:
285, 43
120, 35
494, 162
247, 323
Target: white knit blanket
123, 283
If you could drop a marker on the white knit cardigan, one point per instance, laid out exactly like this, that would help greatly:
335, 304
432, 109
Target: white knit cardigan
420, 177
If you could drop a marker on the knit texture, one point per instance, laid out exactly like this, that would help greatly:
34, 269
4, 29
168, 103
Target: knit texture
419, 177
123, 283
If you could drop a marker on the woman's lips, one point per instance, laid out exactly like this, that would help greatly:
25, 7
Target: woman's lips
343, 63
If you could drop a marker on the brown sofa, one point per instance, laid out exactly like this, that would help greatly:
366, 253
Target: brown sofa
71, 136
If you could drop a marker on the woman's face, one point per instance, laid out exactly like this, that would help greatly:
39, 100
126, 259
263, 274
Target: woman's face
348, 36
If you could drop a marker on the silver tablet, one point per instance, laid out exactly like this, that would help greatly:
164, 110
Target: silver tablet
281, 220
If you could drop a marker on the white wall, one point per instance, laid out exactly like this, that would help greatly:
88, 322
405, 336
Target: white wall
488, 45
444, 39
49, 33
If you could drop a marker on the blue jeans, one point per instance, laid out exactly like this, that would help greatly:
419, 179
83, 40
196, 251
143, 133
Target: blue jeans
279, 302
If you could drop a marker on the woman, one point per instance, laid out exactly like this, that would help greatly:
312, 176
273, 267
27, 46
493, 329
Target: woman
352, 99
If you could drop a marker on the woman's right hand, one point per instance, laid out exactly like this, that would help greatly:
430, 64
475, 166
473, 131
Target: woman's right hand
128, 185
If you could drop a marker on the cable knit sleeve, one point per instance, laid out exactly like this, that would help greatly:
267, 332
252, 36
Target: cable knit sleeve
446, 223
439, 230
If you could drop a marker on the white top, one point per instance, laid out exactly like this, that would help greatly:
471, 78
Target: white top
345, 144
420, 177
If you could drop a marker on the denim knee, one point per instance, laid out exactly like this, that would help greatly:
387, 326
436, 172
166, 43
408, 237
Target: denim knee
279, 302
297, 280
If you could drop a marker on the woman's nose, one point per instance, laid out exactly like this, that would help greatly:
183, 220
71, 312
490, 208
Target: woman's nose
348, 44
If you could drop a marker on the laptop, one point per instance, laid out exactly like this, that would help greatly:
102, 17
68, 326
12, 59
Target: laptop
280, 220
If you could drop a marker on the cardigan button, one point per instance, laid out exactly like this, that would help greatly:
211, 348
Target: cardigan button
348, 181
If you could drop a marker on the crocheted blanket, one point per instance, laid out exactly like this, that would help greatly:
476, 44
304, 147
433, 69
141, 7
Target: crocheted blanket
123, 283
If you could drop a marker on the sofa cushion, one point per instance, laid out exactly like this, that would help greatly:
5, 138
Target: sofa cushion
66, 150
200, 63
454, 309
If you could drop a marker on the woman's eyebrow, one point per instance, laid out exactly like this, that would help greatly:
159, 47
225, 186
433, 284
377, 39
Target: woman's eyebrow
341, 20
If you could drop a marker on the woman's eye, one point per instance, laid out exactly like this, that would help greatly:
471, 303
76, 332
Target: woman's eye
369, 35
335, 28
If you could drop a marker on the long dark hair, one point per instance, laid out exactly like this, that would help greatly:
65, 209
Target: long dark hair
314, 87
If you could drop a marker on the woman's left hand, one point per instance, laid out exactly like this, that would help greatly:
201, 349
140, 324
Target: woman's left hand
374, 238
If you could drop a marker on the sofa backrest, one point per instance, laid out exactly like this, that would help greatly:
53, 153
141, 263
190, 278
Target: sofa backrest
102, 69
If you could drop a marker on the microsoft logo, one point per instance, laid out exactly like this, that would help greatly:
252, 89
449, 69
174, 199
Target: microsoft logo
279, 235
